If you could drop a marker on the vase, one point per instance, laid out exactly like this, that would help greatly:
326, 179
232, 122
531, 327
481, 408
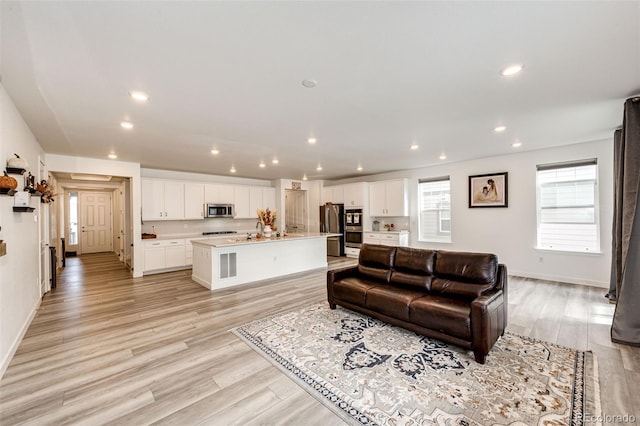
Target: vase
267, 231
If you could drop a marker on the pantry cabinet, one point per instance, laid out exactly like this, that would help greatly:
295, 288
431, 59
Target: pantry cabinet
389, 198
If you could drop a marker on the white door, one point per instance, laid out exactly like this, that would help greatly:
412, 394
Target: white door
95, 219
295, 207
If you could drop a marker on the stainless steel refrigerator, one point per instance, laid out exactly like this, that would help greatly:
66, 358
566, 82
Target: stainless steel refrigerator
332, 220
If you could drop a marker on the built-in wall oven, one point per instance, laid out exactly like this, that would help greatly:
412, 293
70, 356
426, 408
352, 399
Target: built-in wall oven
353, 228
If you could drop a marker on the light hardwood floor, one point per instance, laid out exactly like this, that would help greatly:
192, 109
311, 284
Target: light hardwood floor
107, 348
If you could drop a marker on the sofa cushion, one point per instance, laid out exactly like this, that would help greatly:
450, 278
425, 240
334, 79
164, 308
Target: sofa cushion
464, 274
447, 315
375, 261
392, 301
352, 290
413, 267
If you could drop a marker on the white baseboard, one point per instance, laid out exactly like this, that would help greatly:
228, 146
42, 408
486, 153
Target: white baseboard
16, 343
560, 278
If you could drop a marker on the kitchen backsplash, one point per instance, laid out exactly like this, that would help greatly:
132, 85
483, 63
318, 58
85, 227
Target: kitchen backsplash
182, 227
400, 223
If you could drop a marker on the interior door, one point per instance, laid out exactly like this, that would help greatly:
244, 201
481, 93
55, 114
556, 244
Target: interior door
295, 210
95, 219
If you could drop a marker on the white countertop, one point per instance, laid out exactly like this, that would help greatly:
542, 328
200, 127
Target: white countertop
389, 232
239, 240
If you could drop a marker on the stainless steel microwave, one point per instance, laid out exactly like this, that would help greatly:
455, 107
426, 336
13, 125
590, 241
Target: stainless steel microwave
219, 210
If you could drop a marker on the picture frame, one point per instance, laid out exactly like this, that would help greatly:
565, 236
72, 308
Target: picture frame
296, 185
489, 190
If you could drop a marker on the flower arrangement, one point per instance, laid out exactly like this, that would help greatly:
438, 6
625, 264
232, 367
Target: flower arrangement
267, 217
47, 190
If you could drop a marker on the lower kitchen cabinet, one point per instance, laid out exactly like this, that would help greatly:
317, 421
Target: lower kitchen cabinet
164, 254
396, 239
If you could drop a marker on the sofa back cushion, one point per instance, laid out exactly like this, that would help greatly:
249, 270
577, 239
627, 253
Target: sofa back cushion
413, 267
464, 274
375, 261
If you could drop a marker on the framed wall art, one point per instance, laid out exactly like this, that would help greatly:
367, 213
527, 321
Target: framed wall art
490, 190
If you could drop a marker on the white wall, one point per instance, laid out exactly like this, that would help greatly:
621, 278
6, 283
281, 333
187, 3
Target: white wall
511, 232
19, 287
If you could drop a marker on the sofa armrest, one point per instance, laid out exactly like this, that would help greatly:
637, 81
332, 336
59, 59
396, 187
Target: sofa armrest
488, 321
337, 275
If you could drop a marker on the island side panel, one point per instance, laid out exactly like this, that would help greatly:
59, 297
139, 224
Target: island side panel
255, 262
202, 265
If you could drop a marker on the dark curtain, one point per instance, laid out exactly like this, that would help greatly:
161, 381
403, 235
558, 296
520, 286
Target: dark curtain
616, 269
626, 234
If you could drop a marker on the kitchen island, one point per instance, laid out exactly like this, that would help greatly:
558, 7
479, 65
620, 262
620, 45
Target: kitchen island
228, 262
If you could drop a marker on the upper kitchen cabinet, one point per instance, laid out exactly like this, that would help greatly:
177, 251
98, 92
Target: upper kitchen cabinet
242, 202
218, 193
389, 198
162, 200
355, 194
248, 199
193, 200
333, 194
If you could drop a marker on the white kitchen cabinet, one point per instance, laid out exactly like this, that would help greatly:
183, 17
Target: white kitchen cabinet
269, 198
242, 202
355, 194
193, 200
389, 198
164, 254
218, 193
395, 239
333, 194
162, 200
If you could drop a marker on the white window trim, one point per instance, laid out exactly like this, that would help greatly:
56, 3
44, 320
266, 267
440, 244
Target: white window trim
596, 209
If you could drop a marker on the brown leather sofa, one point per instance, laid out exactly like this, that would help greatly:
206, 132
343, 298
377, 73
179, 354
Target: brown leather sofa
459, 298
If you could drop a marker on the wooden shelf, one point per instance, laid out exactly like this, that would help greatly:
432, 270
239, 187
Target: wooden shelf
23, 209
16, 171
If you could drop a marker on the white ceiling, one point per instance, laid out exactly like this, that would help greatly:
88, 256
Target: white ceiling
228, 75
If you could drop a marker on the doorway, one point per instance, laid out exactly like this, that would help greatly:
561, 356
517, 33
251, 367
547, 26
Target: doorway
295, 207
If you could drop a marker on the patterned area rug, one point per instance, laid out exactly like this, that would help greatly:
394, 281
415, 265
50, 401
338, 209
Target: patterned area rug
369, 372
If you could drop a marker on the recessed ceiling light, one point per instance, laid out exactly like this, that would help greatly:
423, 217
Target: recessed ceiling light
443, 157
319, 168
499, 129
275, 161
139, 96
511, 69
312, 140
126, 125
414, 146
359, 168
233, 169
304, 177
309, 83
215, 151
262, 165
517, 144
112, 156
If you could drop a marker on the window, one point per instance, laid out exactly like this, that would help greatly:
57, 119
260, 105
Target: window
435, 209
568, 206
